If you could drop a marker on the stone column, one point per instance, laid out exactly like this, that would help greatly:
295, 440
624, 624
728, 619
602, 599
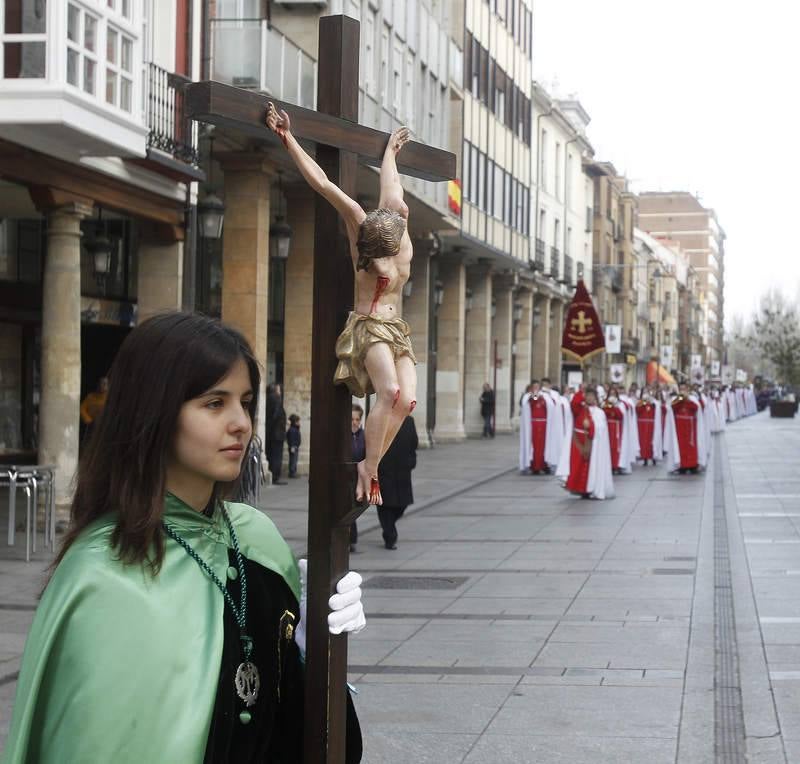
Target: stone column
501, 340
556, 333
245, 255
160, 279
416, 311
540, 350
297, 315
522, 345
61, 346
478, 355
450, 353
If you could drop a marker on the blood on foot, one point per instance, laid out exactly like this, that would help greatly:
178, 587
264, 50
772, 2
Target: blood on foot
411, 407
396, 397
375, 492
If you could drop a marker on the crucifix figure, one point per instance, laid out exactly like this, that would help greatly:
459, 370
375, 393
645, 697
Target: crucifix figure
374, 349
340, 143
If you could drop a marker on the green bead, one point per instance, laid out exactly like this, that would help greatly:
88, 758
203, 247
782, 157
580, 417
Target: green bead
233, 574
245, 717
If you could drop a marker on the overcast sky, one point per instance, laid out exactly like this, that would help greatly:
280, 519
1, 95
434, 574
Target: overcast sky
694, 95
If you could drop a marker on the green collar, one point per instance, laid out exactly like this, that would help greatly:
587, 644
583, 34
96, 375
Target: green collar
179, 514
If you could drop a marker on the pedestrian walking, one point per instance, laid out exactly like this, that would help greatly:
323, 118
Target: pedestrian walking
487, 410
394, 473
293, 441
275, 417
359, 450
173, 626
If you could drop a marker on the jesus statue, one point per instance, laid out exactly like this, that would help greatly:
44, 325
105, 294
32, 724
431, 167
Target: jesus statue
374, 348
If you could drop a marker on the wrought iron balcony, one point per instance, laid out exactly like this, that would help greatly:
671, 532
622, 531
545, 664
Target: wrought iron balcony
171, 131
538, 263
555, 263
249, 53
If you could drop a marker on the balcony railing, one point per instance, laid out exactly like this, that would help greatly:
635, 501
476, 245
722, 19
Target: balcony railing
252, 54
170, 130
568, 279
538, 263
555, 263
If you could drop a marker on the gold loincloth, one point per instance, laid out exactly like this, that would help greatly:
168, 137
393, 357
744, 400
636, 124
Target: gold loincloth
360, 333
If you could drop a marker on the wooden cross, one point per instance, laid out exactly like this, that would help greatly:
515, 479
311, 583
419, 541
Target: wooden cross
341, 142
581, 321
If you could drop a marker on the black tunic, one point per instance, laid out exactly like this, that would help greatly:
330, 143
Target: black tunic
275, 732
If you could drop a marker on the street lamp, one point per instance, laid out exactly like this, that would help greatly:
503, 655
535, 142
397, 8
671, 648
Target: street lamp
468, 300
494, 307
211, 209
280, 232
517, 312
100, 247
537, 312
438, 294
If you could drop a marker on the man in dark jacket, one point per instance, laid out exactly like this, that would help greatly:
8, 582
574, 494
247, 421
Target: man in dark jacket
394, 474
487, 410
275, 432
358, 447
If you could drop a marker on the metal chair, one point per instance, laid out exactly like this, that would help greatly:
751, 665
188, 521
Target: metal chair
30, 479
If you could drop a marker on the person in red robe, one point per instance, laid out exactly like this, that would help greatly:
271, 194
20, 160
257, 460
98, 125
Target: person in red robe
615, 424
538, 405
646, 412
684, 410
581, 449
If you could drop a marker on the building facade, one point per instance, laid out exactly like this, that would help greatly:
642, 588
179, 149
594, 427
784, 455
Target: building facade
680, 217
98, 170
562, 210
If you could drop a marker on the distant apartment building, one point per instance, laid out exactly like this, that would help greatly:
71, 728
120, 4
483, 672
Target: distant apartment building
680, 217
562, 212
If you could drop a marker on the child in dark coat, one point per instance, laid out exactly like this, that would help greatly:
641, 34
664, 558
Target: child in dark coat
293, 440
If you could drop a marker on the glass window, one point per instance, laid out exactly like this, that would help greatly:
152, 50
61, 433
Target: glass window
25, 17
25, 60
73, 24
82, 31
119, 87
89, 32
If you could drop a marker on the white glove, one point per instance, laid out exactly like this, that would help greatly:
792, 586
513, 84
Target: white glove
347, 612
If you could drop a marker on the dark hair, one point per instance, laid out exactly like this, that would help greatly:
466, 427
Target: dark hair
294, 419
358, 410
169, 359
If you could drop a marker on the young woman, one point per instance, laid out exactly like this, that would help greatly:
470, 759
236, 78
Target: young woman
172, 628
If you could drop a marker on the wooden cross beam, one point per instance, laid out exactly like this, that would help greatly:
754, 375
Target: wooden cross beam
340, 143
244, 110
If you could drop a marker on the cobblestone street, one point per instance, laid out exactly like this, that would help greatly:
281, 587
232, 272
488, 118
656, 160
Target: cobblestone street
514, 623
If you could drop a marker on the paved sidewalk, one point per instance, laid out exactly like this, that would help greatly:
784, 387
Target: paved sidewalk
441, 472
517, 624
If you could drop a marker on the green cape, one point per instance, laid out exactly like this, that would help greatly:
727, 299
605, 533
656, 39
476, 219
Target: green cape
123, 667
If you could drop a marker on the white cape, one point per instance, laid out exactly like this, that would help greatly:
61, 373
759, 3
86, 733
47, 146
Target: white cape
525, 443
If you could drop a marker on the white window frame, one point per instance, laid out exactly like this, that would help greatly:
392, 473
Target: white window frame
370, 25
409, 88
386, 34
397, 77
83, 53
116, 69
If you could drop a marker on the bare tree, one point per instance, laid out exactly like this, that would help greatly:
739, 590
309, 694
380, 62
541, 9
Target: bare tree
774, 334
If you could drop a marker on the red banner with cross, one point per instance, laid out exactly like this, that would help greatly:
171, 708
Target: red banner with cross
583, 332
